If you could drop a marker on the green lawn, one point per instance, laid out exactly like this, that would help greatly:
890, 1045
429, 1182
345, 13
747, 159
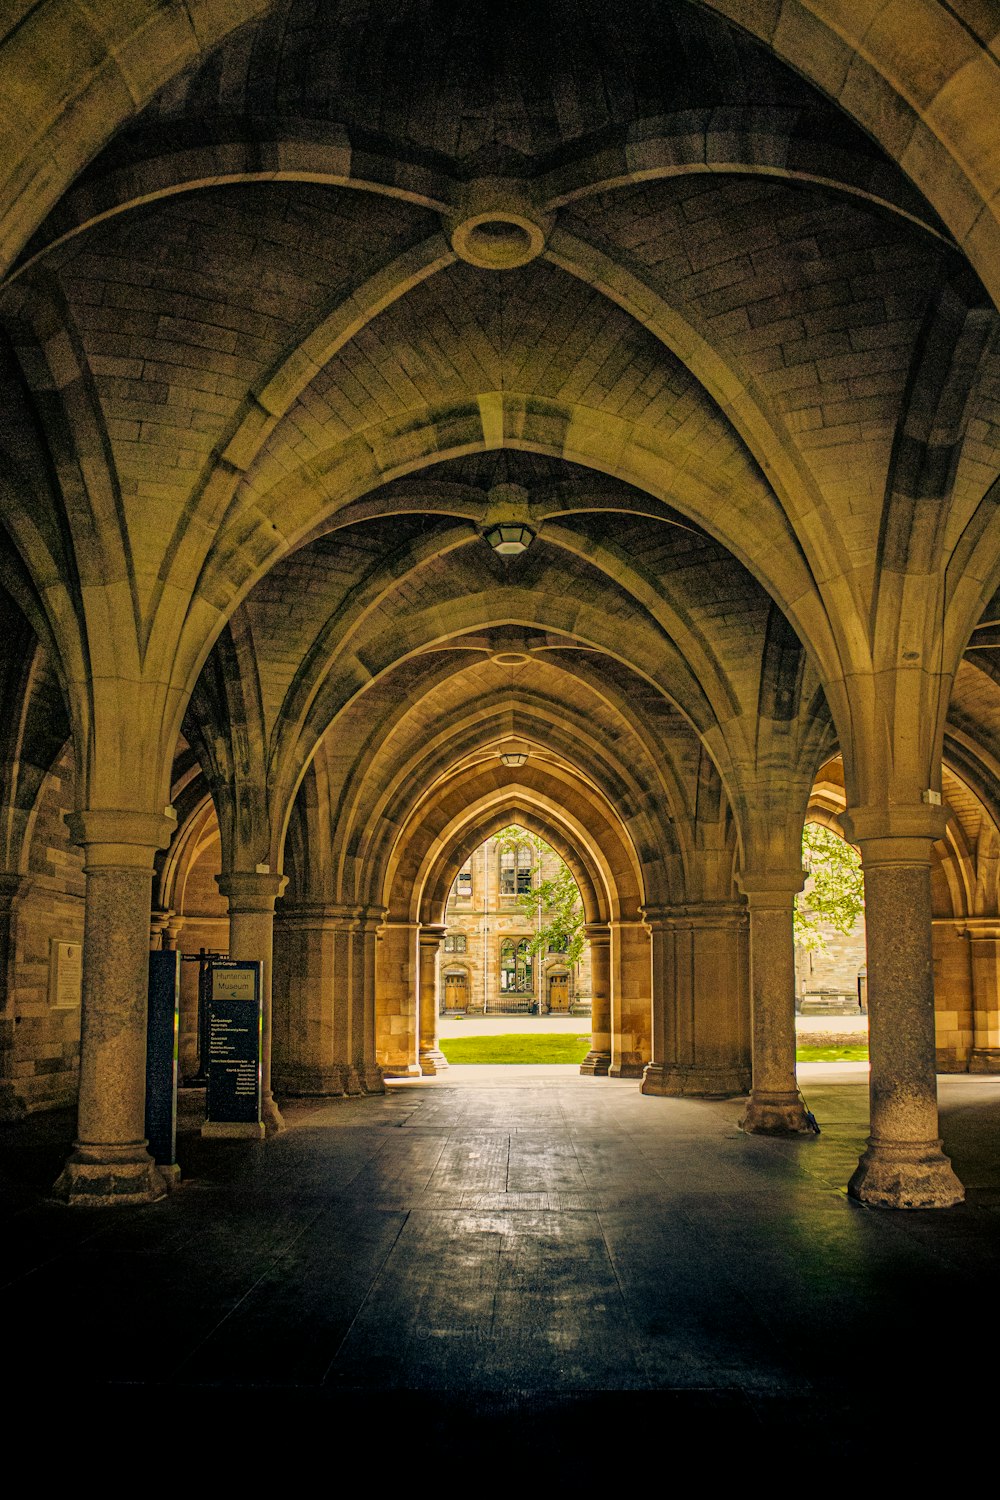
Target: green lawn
516, 1047
831, 1054
557, 1047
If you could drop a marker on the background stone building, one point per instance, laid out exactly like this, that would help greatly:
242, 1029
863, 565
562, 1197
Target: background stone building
485, 964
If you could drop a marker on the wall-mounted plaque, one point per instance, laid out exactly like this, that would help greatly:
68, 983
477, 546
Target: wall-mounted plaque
234, 1037
65, 974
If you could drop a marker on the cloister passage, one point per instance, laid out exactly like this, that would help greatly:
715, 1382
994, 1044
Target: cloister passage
392, 390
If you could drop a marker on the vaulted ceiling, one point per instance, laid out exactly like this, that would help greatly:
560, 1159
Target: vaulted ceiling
300, 294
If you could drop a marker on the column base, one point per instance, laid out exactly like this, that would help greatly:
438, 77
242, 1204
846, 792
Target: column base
694, 1082
596, 1064
984, 1060
312, 1083
270, 1114
905, 1174
373, 1079
105, 1176
629, 1066
402, 1070
776, 1114
432, 1061
234, 1130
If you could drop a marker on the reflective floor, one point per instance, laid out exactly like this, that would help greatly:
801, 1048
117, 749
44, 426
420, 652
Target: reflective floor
520, 1255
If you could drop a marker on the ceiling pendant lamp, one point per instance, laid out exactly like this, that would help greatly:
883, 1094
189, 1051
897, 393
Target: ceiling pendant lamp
509, 539
507, 524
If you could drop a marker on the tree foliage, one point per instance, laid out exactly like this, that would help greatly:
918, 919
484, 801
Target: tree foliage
556, 898
834, 893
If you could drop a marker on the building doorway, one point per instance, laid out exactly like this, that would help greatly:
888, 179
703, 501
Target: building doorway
456, 990
559, 993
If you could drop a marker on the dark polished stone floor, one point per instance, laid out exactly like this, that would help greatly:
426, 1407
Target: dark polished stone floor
518, 1257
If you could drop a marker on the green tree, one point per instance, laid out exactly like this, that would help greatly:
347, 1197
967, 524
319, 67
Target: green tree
557, 897
834, 892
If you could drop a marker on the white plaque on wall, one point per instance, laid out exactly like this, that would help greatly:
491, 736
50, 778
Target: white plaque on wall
65, 973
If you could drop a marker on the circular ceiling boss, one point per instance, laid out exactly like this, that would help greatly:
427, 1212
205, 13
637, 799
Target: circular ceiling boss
496, 226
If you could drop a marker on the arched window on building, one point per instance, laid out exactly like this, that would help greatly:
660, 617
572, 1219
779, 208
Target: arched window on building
516, 971
515, 871
456, 942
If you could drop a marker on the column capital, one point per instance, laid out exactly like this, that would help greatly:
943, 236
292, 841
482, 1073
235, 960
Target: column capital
987, 928
771, 890
172, 932
158, 919
597, 932
432, 934
899, 834
695, 914
117, 838
320, 916
251, 890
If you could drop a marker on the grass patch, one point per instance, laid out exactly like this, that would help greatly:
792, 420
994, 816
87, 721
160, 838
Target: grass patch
557, 1047
516, 1047
831, 1054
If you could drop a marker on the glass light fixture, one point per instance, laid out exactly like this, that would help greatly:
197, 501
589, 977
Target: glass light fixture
513, 757
509, 538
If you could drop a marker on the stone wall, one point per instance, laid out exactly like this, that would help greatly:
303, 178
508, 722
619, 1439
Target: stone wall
39, 1025
952, 996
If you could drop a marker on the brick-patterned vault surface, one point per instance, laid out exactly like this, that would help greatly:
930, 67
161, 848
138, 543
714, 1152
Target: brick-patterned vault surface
506, 1245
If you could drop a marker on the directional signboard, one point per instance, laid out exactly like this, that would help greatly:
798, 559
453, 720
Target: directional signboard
234, 1036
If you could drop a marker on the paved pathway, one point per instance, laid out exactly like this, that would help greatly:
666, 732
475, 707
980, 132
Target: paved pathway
511, 1256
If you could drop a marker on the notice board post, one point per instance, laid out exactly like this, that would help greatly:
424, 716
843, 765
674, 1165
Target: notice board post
234, 1037
162, 1026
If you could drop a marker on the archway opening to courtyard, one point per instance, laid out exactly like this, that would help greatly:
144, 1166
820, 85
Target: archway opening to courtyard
481, 857
831, 973
514, 971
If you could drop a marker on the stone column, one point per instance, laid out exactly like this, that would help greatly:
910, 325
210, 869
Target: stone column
775, 1106
251, 895
365, 1067
984, 947
397, 986
109, 1163
311, 983
631, 999
432, 1059
903, 1165
344, 924
597, 1062
701, 1000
